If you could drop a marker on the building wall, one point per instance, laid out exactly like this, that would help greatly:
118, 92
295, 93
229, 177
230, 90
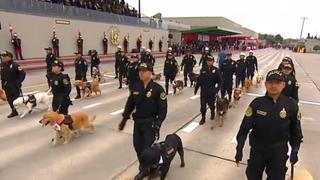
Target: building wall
176, 36
36, 33
310, 43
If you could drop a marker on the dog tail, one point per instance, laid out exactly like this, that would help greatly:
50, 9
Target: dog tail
93, 118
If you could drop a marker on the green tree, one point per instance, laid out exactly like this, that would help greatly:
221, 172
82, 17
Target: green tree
278, 38
316, 48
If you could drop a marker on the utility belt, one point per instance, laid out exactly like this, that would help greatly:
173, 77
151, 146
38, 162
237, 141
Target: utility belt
143, 120
253, 143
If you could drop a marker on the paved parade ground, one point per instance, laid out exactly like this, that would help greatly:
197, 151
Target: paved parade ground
26, 151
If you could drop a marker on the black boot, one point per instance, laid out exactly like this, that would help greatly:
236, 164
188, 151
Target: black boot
213, 115
203, 119
13, 114
78, 96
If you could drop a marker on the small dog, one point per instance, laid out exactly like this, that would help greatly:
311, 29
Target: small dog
97, 76
222, 105
157, 77
247, 84
159, 157
88, 88
237, 95
259, 79
193, 78
30, 101
3, 96
177, 85
67, 125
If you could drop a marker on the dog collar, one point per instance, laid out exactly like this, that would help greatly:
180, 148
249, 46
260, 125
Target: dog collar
58, 120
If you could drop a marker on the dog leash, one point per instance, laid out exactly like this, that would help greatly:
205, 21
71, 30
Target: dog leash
292, 172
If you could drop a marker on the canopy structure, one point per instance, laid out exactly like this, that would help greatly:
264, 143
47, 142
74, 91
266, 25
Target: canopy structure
214, 30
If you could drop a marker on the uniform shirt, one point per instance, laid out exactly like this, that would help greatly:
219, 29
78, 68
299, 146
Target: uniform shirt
252, 63
61, 86
209, 80
49, 60
105, 42
118, 56
149, 103
240, 67
228, 69
12, 76
133, 72
170, 67
148, 59
271, 123
123, 63
81, 67
188, 62
16, 42
95, 61
80, 42
204, 59
291, 88
55, 42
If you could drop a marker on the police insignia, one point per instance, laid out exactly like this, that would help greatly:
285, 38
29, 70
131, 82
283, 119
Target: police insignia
283, 113
65, 81
289, 82
19, 68
261, 112
149, 94
249, 112
135, 93
299, 115
163, 96
56, 83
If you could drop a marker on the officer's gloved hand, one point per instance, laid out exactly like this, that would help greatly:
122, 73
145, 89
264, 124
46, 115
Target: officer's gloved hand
156, 126
238, 156
122, 124
294, 156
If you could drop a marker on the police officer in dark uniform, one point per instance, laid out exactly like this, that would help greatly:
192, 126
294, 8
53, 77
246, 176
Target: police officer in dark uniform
117, 59
133, 72
160, 45
49, 60
227, 70
188, 62
287, 60
240, 71
291, 88
252, 65
123, 64
61, 88
169, 51
12, 77
274, 120
204, 57
105, 44
80, 45
170, 70
148, 58
55, 45
210, 82
81, 68
16, 42
95, 61
142, 53
149, 101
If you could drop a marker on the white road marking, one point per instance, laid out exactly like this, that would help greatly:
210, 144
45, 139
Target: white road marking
309, 102
253, 94
117, 112
190, 127
32, 92
195, 97
307, 119
107, 75
108, 83
234, 139
92, 105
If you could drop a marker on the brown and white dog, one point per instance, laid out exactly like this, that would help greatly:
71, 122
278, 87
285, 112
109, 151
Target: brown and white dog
177, 85
157, 77
259, 79
88, 88
193, 78
222, 105
3, 96
65, 126
237, 95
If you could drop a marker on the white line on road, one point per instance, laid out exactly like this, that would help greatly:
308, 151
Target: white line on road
195, 97
92, 105
117, 112
234, 139
190, 127
32, 92
108, 83
111, 76
309, 102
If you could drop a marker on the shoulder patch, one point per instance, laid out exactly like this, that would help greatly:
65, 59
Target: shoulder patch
65, 81
163, 96
19, 68
249, 111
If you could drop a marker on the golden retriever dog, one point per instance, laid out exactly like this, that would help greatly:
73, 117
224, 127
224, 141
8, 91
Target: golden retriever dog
303, 175
66, 125
88, 88
247, 84
237, 95
3, 96
259, 79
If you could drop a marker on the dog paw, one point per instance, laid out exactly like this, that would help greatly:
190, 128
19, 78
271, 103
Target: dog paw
182, 164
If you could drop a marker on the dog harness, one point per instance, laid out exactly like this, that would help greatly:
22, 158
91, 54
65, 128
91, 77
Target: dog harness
66, 121
31, 99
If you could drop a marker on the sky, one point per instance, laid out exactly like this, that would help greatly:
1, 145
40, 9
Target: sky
264, 16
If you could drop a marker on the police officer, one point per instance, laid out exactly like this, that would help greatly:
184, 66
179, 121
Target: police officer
95, 61
125, 45
169, 51
117, 59
12, 77
123, 64
287, 60
49, 60
148, 58
80, 45
210, 82
81, 68
227, 70
133, 72
150, 44
291, 88
105, 44
55, 45
188, 62
274, 120
160, 45
252, 65
170, 70
204, 57
240, 70
16, 42
139, 42
142, 53
61, 88
149, 101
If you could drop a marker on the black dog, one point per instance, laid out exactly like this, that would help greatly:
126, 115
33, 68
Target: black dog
158, 157
193, 78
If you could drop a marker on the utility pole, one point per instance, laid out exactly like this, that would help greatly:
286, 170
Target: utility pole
139, 8
303, 19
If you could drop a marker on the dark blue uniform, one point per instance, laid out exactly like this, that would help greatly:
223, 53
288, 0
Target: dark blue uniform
122, 68
49, 60
210, 82
116, 65
61, 88
227, 70
240, 72
203, 59
187, 64
133, 74
170, 71
291, 88
95, 62
252, 65
81, 67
